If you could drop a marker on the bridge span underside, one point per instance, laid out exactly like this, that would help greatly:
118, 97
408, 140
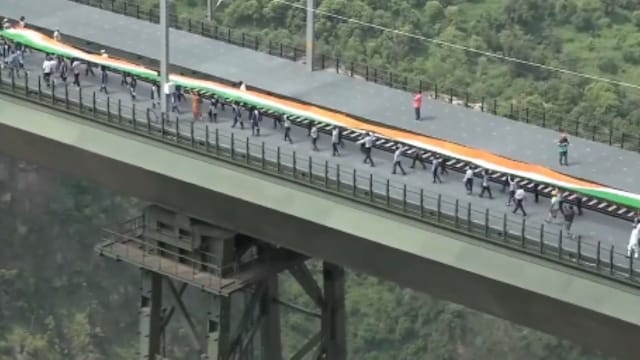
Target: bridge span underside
555, 299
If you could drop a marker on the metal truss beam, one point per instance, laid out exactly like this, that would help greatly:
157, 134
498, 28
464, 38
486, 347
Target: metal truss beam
334, 334
219, 329
304, 277
270, 317
177, 297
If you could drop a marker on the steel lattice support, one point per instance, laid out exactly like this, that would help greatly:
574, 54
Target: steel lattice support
219, 329
150, 315
334, 333
270, 314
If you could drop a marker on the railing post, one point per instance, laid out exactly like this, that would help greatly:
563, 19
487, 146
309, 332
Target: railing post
486, 222
269, 50
217, 139
80, 102
294, 165
247, 151
544, 118
439, 207
93, 103
26, 83
526, 114
310, 170
482, 104
495, 106
560, 244
421, 203
404, 197
191, 133
206, 137
354, 182
262, 159
504, 227
622, 140
435, 91
66, 96
371, 187
119, 110
631, 264
541, 239
598, 257
277, 158
522, 237
233, 148
39, 86
326, 173
611, 266
456, 211
469, 217
338, 177
387, 197
109, 108
133, 113
450, 95
53, 92
13, 79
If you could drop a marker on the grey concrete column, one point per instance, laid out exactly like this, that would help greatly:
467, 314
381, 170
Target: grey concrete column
334, 333
311, 6
150, 315
269, 311
219, 329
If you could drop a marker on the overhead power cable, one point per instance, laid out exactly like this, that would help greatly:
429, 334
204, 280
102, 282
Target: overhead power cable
463, 47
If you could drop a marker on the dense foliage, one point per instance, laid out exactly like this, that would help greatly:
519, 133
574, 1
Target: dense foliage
59, 301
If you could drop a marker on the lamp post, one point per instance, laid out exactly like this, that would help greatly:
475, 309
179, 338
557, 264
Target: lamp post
164, 57
310, 33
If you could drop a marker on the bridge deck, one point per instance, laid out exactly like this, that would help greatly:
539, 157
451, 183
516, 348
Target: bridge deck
590, 160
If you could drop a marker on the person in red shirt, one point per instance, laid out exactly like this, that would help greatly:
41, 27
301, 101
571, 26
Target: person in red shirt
417, 103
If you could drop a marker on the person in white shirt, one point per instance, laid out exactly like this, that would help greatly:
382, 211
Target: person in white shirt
485, 184
553, 209
47, 69
511, 182
519, 198
287, 130
468, 180
335, 140
243, 86
314, 137
367, 144
397, 160
57, 36
633, 242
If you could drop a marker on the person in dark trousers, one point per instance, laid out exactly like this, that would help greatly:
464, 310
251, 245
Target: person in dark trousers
255, 122
340, 139
133, 83
513, 186
237, 115
485, 184
562, 199
519, 198
435, 165
335, 140
536, 192
468, 180
569, 215
314, 137
563, 149
75, 67
367, 146
64, 69
417, 104
213, 109
287, 129
175, 105
417, 157
397, 160
103, 79
123, 79
277, 120
310, 126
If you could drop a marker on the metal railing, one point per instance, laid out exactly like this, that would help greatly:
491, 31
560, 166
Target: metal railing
337, 180
592, 130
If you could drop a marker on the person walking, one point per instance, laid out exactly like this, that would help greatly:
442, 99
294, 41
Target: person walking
287, 130
435, 165
553, 209
513, 186
367, 144
335, 141
632, 246
255, 122
64, 69
563, 150
468, 180
397, 160
314, 137
237, 115
418, 157
103, 79
47, 69
57, 36
213, 109
133, 83
417, 104
636, 218
485, 184
569, 215
519, 198
442, 166
75, 67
